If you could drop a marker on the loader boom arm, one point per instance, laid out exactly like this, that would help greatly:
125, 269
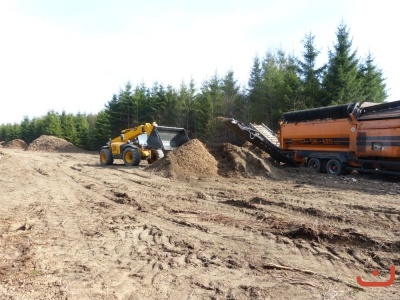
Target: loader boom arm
133, 133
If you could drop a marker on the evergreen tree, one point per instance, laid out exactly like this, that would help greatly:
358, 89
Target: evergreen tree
52, 125
26, 133
82, 131
203, 109
186, 98
125, 108
341, 82
36, 127
102, 130
256, 93
120, 110
281, 87
9, 132
172, 110
141, 97
310, 76
215, 94
68, 128
92, 140
230, 94
373, 86
156, 103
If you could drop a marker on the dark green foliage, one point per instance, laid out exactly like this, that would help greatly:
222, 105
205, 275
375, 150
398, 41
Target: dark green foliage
102, 130
281, 87
310, 76
373, 86
52, 125
10, 132
256, 99
68, 127
27, 133
82, 131
186, 99
341, 82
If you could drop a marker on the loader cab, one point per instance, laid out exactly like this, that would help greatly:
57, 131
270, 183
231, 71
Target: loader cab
142, 140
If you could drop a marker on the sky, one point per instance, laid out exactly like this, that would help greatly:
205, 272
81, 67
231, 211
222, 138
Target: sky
73, 55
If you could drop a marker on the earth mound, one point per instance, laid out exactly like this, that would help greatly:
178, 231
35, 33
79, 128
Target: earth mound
190, 160
16, 144
50, 143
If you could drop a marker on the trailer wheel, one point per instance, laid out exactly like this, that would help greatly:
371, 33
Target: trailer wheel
131, 157
106, 157
315, 164
334, 167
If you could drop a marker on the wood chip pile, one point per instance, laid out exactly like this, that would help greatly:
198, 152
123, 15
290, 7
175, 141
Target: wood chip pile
235, 161
190, 160
16, 144
50, 143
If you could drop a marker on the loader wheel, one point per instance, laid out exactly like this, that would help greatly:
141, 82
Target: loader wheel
156, 154
334, 167
106, 157
315, 164
131, 157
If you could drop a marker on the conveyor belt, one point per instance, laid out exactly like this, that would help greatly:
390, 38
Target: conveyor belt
251, 134
266, 133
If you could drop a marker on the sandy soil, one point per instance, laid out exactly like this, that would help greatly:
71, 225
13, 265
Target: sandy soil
71, 229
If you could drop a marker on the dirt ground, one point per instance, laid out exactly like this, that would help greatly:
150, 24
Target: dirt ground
243, 228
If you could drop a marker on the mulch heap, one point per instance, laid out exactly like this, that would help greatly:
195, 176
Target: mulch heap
246, 161
194, 160
16, 144
50, 143
191, 160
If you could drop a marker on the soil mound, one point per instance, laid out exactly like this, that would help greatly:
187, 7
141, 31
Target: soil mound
16, 144
190, 160
50, 143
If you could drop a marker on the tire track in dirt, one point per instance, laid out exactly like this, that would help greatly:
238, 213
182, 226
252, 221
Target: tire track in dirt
312, 250
119, 233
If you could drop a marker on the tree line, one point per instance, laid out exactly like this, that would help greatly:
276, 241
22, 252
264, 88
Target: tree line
278, 82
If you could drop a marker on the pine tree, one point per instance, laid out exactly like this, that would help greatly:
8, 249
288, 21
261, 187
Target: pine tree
341, 82
281, 87
120, 110
68, 128
102, 130
230, 94
140, 100
373, 86
310, 75
186, 98
26, 133
172, 111
256, 93
203, 108
156, 103
52, 125
82, 131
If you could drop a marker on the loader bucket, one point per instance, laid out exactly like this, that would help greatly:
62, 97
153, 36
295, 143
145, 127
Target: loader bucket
167, 138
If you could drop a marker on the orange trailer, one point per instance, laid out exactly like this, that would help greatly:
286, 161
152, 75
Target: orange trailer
335, 139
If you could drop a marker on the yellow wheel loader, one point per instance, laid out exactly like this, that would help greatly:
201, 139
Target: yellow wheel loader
144, 142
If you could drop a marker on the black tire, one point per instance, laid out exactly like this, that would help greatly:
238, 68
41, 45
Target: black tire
131, 157
106, 157
334, 167
315, 164
155, 155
